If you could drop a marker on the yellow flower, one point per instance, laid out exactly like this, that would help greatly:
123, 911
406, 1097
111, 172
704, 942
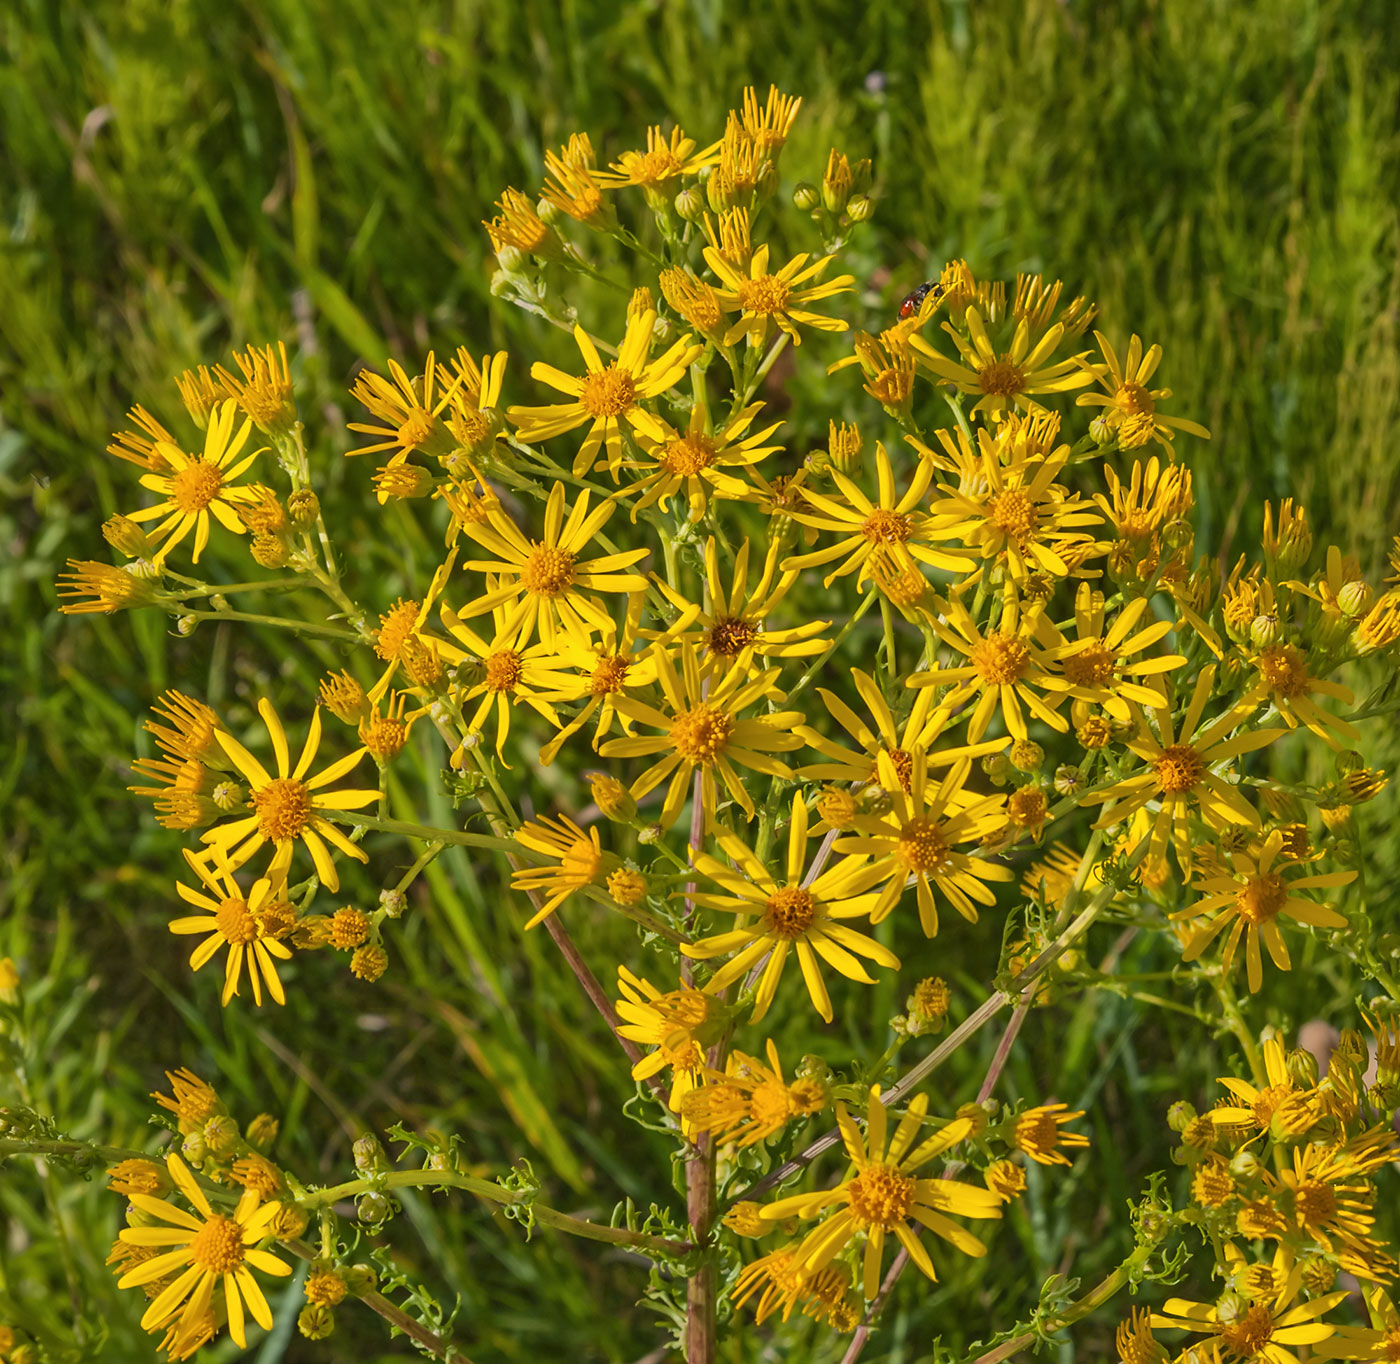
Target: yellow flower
210, 1250
607, 396
692, 465
666, 158
860, 766
240, 923
1002, 380
94, 586
572, 187
411, 410
1251, 900
517, 225
1098, 667
883, 1193
778, 1275
192, 1100
500, 676
1179, 774
1007, 668
546, 583
288, 808
769, 123
1135, 1342
890, 522
918, 836
1285, 680
1295, 1107
1015, 510
796, 914
400, 640
888, 366
701, 731
194, 488
1154, 494
1378, 1343
1130, 406
749, 1102
138, 1177
265, 390
472, 415
679, 1024
142, 448
1266, 1329
1038, 1132
734, 621
579, 855
767, 300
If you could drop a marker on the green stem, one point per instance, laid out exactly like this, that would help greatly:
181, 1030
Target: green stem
278, 622
424, 832
815, 668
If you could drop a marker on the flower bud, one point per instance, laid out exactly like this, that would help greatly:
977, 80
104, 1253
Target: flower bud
369, 1154
1180, 1116
316, 1321
1245, 1165
743, 1220
844, 448
1265, 630
690, 205
359, 1280
807, 197
837, 807
125, 536
613, 799
997, 768
373, 1208
221, 1135
1025, 755
1067, 780
288, 1222
262, 1131
1355, 598
185, 626
1005, 1178
324, 1285
627, 887
303, 507
193, 1148
860, 208
369, 962
1101, 431
269, 551
393, 902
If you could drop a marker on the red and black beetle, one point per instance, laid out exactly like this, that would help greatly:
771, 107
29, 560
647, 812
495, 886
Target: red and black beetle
914, 301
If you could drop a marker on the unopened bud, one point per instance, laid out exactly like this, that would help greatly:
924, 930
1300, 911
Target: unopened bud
269, 551
997, 768
303, 507
125, 536
690, 205
807, 197
860, 208
316, 1321
393, 902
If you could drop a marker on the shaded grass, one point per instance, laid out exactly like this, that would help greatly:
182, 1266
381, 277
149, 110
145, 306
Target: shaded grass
183, 177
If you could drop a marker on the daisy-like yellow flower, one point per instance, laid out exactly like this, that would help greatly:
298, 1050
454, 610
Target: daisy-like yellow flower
265, 390
1016, 512
193, 1101
401, 642
769, 123
667, 157
918, 836
679, 1023
1251, 901
290, 807
692, 465
517, 225
596, 671
734, 622
1098, 667
142, 448
411, 410
608, 396
250, 926
93, 586
1378, 1343
795, 915
1154, 494
473, 416
860, 766
1268, 1331
1135, 1342
1285, 680
749, 1102
1283, 1102
776, 300
888, 365
501, 676
1039, 1132
1179, 774
547, 584
204, 1252
194, 488
1007, 668
572, 186
701, 730
1130, 407
1002, 380
890, 522
883, 1193
577, 856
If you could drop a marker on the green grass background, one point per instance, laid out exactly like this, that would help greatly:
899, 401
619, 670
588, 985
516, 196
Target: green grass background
181, 177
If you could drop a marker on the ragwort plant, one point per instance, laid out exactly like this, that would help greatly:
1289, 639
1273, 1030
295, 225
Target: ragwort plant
1060, 725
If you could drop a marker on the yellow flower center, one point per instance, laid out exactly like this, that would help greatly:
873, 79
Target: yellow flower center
903, 768
701, 733
688, 455
218, 1245
683, 1008
610, 675
195, 486
650, 168
892, 387
883, 527
608, 392
1247, 1336
284, 808
235, 923
921, 847
396, 628
789, 912
683, 1056
470, 426
1091, 667
729, 638
1027, 808
582, 862
1268, 1103
548, 572
880, 1196
930, 998
416, 427
1178, 769
503, 670
1134, 400
1389, 1344
1283, 667
1212, 1185
1315, 1202
764, 296
1261, 897
768, 1104
1000, 659
1001, 379
1014, 514
1038, 1132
